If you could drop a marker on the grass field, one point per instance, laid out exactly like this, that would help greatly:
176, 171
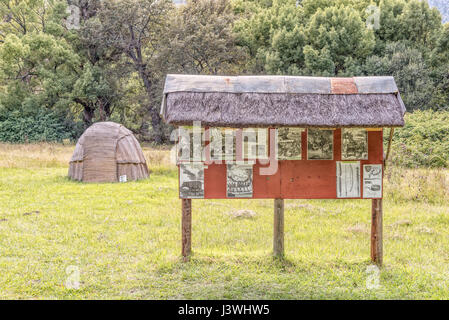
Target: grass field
124, 239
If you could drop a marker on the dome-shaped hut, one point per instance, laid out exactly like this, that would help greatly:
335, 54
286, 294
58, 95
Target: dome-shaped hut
107, 152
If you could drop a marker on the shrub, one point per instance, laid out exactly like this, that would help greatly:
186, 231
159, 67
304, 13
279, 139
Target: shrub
42, 126
423, 142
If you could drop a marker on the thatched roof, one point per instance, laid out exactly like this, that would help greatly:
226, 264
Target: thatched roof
264, 101
106, 151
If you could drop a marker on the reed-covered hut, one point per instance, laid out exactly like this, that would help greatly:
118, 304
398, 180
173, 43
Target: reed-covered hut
107, 152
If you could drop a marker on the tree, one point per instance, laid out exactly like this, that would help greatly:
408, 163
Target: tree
38, 71
202, 40
36, 35
339, 33
410, 70
274, 36
439, 61
27, 16
97, 89
136, 28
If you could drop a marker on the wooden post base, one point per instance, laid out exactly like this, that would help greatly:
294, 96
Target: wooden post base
376, 232
278, 228
186, 228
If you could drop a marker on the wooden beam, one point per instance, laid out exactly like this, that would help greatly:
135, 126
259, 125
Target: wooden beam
186, 228
278, 229
376, 232
389, 146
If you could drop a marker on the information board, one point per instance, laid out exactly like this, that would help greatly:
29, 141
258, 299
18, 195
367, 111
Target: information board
310, 164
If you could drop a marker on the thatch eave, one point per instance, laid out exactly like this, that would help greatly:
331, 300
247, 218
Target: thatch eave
276, 101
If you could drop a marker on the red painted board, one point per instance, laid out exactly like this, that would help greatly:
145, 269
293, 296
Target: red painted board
314, 179
215, 181
296, 179
266, 187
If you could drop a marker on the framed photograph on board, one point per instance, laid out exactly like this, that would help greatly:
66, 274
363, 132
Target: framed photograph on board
354, 144
320, 144
190, 145
289, 143
191, 180
372, 181
239, 182
255, 143
348, 179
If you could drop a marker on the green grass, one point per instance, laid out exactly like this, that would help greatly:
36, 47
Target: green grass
125, 240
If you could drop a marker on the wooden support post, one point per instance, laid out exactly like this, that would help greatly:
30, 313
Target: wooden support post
278, 230
376, 232
186, 228
389, 146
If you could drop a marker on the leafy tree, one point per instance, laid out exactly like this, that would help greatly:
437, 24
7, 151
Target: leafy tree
338, 33
202, 40
420, 23
46, 65
26, 16
443, 7
37, 67
136, 28
98, 89
274, 36
439, 61
410, 70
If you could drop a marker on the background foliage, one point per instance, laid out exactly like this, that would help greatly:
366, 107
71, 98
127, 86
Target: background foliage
66, 64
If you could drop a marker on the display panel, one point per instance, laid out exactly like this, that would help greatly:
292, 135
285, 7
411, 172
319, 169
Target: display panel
255, 143
289, 143
320, 144
354, 144
348, 179
239, 181
372, 181
294, 179
191, 180
190, 145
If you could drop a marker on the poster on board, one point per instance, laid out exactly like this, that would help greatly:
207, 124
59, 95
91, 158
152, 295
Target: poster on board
320, 144
354, 144
229, 144
289, 143
372, 181
348, 179
216, 144
239, 182
255, 143
191, 180
190, 145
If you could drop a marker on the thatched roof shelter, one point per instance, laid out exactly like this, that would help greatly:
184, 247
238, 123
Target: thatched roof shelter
105, 152
266, 101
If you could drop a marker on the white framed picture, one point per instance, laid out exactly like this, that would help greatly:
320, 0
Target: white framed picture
372, 181
348, 179
289, 143
354, 144
191, 180
320, 144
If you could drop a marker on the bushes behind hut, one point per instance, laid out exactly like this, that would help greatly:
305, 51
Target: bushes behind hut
41, 126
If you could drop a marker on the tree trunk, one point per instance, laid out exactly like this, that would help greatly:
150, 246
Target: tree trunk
136, 55
88, 115
105, 109
155, 117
